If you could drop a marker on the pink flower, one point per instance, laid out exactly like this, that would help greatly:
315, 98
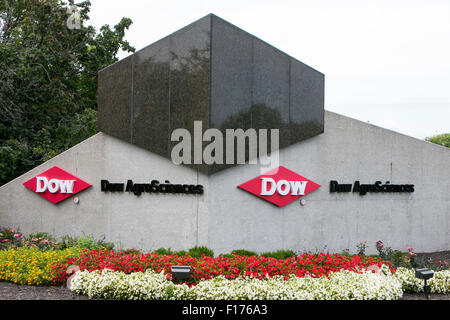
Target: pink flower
410, 249
5, 240
17, 235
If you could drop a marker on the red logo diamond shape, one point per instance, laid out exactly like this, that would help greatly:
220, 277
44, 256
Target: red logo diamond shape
280, 186
55, 184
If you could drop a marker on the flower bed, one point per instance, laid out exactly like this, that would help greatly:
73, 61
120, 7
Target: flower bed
338, 285
126, 275
31, 266
314, 265
343, 285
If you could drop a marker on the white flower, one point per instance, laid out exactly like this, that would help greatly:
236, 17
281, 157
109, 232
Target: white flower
343, 285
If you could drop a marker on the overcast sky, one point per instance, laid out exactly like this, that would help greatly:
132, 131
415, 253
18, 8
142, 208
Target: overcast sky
385, 61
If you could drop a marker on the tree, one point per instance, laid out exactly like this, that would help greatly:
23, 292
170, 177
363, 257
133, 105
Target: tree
442, 139
48, 79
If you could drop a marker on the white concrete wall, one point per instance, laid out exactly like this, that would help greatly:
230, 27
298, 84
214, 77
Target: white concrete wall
130, 221
226, 218
348, 150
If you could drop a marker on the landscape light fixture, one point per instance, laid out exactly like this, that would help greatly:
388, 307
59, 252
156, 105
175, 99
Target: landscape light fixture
425, 274
181, 272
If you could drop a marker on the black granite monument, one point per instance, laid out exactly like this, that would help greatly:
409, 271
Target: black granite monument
214, 72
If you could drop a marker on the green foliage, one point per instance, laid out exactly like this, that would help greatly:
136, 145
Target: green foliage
66, 242
383, 252
131, 251
10, 238
163, 252
280, 254
170, 290
441, 139
84, 242
181, 253
243, 252
40, 235
48, 80
197, 251
90, 243
361, 247
41, 241
400, 259
408, 259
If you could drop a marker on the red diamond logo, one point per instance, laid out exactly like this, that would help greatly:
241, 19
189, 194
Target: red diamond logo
55, 184
280, 186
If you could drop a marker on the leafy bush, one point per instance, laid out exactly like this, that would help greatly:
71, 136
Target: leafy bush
197, 252
383, 252
163, 252
361, 247
10, 238
84, 242
400, 259
181, 253
243, 252
42, 235
41, 241
131, 251
88, 242
66, 242
280, 254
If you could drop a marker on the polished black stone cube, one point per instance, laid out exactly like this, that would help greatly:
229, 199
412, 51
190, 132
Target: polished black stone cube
214, 72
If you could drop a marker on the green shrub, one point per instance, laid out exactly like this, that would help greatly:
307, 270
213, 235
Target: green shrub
66, 242
226, 255
345, 253
84, 242
41, 241
163, 252
399, 259
280, 254
131, 251
181, 253
10, 238
243, 252
361, 247
90, 243
42, 235
197, 252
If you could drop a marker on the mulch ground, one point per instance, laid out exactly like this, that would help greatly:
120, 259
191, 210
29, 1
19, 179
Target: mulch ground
11, 291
